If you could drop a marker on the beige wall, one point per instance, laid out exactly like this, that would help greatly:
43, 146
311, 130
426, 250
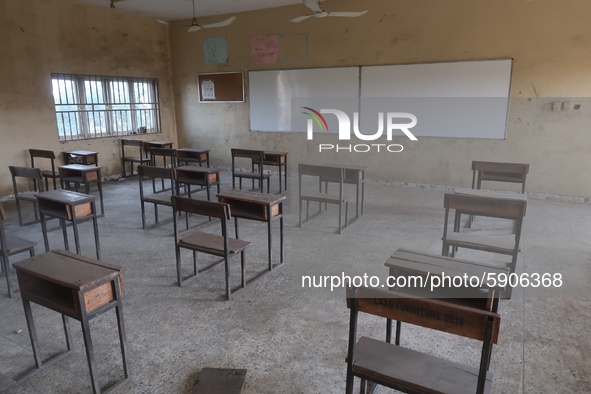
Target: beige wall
549, 40
38, 37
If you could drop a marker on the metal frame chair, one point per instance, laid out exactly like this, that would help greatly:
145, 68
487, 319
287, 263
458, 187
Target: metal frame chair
33, 174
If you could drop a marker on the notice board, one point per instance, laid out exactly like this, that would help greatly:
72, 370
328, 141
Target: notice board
221, 87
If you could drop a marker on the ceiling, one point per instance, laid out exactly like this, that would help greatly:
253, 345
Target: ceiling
183, 9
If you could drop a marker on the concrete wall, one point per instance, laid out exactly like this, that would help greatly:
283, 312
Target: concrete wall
549, 40
38, 37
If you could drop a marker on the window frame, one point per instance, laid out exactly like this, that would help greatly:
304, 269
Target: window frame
113, 117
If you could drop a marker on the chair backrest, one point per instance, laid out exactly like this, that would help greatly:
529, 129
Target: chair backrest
506, 168
426, 312
156, 172
45, 154
26, 172
131, 142
248, 153
485, 206
202, 207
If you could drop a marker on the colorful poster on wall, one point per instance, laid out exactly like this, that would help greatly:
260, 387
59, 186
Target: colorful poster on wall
265, 49
215, 50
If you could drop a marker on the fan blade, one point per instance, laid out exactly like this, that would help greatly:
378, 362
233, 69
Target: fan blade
162, 21
301, 18
348, 14
314, 5
220, 24
193, 28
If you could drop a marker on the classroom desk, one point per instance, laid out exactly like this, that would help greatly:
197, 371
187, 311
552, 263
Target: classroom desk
256, 206
188, 156
193, 175
76, 287
67, 205
406, 262
85, 174
498, 172
278, 159
354, 175
85, 157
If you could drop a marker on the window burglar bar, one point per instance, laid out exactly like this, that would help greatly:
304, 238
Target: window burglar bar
95, 106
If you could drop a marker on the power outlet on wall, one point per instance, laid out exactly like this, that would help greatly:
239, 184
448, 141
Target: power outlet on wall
557, 106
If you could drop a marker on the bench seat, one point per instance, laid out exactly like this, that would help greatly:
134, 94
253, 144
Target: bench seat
398, 366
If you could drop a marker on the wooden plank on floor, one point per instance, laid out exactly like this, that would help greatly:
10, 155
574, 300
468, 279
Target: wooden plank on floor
219, 381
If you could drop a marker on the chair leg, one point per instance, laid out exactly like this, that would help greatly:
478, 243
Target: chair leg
6, 267
156, 213
143, 215
18, 210
243, 269
226, 262
300, 224
195, 262
177, 250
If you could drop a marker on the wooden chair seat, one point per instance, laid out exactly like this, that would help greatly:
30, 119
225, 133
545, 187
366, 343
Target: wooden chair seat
397, 366
212, 243
487, 243
159, 198
16, 245
321, 197
251, 175
138, 159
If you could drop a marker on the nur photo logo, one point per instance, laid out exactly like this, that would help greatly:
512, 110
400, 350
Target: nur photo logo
392, 121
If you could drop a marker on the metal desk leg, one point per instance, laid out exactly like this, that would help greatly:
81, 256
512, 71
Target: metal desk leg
44, 231
32, 332
96, 234
281, 235
65, 232
90, 354
269, 236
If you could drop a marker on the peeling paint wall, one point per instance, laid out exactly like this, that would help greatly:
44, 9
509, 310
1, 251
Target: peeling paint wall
40, 37
549, 40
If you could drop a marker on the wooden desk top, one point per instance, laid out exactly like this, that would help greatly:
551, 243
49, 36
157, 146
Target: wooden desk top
197, 169
346, 166
81, 152
423, 263
80, 167
68, 269
510, 195
272, 152
65, 197
158, 142
252, 197
193, 150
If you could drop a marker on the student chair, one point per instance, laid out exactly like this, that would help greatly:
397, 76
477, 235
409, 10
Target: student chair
157, 197
492, 207
410, 371
47, 174
26, 173
11, 245
140, 160
199, 241
319, 173
255, 156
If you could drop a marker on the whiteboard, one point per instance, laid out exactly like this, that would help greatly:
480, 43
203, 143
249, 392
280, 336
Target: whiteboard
271, 92
467, 99
455, 99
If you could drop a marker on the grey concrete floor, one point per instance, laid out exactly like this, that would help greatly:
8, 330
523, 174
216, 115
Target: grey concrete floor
293, 339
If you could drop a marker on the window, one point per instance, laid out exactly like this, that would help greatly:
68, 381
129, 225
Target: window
95, 107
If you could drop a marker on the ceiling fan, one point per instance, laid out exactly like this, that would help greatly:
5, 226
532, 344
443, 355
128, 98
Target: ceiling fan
194, 26
319, 12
